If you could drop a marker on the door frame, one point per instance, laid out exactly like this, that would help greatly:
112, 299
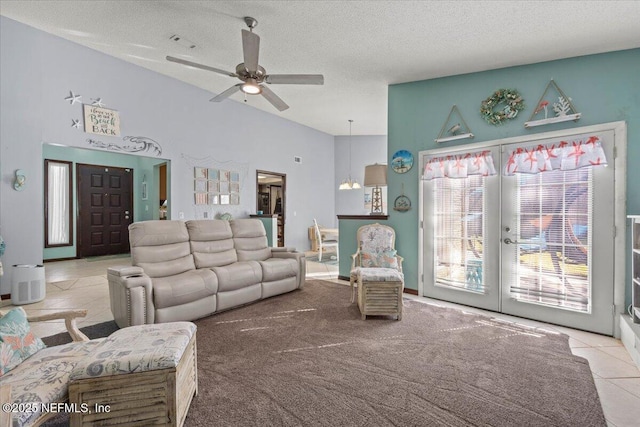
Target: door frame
620, 188
283, 215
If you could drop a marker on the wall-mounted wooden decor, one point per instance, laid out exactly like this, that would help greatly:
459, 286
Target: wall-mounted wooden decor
563, 108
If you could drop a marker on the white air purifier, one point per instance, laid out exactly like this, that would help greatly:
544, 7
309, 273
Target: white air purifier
28, 284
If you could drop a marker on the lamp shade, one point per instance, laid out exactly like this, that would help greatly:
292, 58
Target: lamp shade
375, 175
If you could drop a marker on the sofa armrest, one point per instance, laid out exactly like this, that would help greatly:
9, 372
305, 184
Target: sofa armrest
131, 296
69, 317
125, 271
302, 263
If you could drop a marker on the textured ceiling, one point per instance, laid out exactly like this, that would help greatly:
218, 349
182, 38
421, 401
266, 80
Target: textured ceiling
360, 46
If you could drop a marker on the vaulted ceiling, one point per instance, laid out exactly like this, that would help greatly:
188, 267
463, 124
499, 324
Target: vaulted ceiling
360, 47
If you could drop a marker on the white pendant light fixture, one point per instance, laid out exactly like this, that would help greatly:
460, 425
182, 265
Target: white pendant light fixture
349, 184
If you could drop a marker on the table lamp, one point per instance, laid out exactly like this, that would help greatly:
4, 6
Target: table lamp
376, 176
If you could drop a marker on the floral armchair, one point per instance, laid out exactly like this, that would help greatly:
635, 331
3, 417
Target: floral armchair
31, 373
376, 256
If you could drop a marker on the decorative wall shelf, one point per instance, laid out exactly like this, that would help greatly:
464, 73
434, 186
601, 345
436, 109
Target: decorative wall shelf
454, 129
564, 108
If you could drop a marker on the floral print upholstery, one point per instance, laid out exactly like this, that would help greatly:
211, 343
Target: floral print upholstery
17, 342
384, 259
138, 349
44, 377
375, 238
376, 259
378, 274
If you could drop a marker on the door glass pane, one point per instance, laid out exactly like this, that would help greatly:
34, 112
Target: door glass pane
553, 239
58, 203
459, 232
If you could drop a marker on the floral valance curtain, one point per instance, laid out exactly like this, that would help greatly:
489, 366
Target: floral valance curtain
460, 166
563, 155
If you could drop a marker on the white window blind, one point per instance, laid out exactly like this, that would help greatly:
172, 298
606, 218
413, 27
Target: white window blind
58, 203
459, 230
552, 263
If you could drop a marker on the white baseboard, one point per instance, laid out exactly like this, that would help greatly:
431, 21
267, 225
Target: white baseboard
630, 336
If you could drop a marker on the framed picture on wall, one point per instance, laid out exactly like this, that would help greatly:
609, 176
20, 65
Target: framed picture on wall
200, 173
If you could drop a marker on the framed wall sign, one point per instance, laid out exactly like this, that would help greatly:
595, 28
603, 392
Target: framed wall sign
101, 121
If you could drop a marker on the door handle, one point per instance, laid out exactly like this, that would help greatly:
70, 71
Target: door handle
508, 241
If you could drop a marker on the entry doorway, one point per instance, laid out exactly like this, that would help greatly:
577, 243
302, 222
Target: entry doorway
537, 237
105, 209
271, 198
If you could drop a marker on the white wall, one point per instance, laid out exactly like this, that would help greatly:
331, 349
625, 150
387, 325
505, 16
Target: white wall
37, 71
365, 150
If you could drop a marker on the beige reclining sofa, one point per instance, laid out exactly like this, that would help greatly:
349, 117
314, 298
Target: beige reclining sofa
183, 271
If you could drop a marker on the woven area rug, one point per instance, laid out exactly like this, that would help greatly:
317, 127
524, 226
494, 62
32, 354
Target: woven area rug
306, 358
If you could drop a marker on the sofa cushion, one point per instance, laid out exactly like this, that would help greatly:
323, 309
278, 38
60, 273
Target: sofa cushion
183, 288
161, 248
44, 377
157, 233
278, 268
238, 275
168, 267
211, 243
250, 240
17, 342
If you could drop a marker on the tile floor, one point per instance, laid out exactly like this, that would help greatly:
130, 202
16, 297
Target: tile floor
83, 284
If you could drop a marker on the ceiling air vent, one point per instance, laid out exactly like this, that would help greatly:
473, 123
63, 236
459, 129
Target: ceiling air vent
297, 159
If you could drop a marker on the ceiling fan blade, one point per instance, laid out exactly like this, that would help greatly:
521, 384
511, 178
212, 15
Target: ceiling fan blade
250, 49
227, 93
295, 79
273, 98
203, 67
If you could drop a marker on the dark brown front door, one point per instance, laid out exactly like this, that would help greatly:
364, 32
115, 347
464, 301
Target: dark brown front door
105, 210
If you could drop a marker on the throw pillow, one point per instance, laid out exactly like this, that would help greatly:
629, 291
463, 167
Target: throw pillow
17, 342
384, 259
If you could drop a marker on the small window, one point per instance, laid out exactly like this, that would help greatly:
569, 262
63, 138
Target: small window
58, 204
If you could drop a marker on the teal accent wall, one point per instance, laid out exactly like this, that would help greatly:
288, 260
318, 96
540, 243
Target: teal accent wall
604, 88
143, 168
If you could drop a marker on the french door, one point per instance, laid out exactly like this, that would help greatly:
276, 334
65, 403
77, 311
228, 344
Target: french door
535, 245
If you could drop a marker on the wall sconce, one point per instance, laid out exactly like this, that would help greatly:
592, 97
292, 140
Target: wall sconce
20, 180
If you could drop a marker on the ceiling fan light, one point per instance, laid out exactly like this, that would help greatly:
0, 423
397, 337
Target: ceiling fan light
251, 87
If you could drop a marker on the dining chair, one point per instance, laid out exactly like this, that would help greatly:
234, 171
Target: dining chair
323, 242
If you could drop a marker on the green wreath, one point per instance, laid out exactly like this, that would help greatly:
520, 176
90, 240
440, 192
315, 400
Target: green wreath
513, 104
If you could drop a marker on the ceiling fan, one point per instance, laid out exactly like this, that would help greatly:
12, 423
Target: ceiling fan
252, 75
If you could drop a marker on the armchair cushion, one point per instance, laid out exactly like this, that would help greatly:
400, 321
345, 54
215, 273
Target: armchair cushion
379, 274
137, 349
45, 377
383, 259
17, 342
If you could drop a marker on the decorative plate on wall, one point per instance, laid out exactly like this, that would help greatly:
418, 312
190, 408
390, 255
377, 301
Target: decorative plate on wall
402, 203
402, 161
